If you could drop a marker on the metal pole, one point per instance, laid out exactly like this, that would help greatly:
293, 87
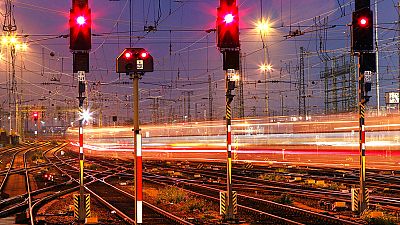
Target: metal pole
377, 58
398, 48
81, 98
130, 23
361, 102
229, 98
138, 150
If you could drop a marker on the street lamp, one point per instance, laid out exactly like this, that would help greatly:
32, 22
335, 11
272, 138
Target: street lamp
265, 67
11, 41
263, 26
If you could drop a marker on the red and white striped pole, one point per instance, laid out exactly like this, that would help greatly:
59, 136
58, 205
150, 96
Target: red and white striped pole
81, 98
229, 97
138, 151
139, 180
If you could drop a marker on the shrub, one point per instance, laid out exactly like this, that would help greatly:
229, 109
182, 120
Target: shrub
381, 220
285, 199
171, 195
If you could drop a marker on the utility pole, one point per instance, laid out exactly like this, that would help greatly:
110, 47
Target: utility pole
302, 85
378, 107
210, 98
188, 106
10, 28
241, 82
398, 49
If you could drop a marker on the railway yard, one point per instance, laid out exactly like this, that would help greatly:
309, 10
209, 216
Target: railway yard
38, 181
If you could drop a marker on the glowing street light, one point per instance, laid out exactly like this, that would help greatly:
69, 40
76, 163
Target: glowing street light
9, 40
265, 67
263, 26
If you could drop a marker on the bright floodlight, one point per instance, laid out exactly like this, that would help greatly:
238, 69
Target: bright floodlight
85, 115
81, 20
263, 26
228, 18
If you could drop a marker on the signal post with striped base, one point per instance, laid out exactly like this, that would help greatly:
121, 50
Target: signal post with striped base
86, 201
229, 197
138, 151
135, 62
228, 42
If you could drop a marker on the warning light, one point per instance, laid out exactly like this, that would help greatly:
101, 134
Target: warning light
133, 60
227, 25
143, 55
228, 18
80, 24
81, 20
363, 21
128, 55
35, 116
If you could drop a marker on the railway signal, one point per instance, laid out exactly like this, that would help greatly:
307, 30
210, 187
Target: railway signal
362, 30
228, 44
362, 45
135, 62
228, 24
80, 23
35, 116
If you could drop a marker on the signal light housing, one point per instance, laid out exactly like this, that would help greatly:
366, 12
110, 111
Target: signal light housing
35, 116
80, 28
362, 30
228, 25
134, 60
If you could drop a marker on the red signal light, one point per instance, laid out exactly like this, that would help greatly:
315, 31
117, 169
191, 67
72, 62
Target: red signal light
144, 55
227, 25
362, 30
363, 22
80, 27
128, 55
81, 20
229, 18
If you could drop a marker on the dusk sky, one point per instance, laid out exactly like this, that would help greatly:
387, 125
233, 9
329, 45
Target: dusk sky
185, 54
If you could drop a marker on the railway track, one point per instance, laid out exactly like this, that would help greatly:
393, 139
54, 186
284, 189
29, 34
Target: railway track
25, 199
265, 210
249, 183
110, 196
292, 214
115, 198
